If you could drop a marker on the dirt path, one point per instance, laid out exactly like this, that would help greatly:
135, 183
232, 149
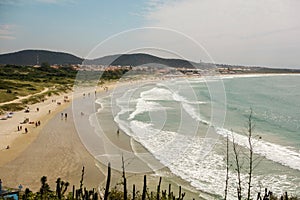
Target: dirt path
19, 99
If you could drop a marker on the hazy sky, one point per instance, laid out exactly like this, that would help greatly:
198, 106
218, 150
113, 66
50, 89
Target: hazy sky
256, 32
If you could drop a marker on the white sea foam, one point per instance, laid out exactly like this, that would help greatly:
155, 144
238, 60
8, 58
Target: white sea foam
145, 106
182, 99
182, 154
277, 153
161, 94
121, 123
195, 115
189, 108
254, 75
157, 93
99, 101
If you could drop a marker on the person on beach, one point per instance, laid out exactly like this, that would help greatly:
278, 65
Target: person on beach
37, 109
66, 115
36, 124
39, 123
18, 128
26, 130
49, 111
118, 132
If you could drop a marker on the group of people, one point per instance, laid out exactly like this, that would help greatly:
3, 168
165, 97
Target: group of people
19, 128
25, 129
62, 115
38, 123
88, 94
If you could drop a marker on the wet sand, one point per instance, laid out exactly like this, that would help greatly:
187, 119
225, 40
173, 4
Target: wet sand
106, 145
58, 151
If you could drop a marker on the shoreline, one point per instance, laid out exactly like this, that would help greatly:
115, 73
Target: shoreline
30, 155
258, 75
19, 147
271, 75
121, 143
17, 140
52, 149
56, 150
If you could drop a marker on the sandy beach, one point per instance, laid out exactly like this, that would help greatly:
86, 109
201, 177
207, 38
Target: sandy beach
111, 145
52, 149
55, 149
18, 140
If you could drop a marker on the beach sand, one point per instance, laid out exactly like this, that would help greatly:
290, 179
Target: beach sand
114, 145
56, 150
52, 149
18, 141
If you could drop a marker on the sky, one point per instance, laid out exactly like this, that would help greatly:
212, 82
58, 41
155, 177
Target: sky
255, 33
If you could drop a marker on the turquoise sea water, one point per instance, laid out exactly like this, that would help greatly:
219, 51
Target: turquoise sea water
180, 122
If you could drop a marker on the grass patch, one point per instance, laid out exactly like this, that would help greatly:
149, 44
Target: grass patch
12, 89
11, 107
5, 96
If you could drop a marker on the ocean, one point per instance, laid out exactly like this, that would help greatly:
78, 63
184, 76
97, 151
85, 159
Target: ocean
184, 123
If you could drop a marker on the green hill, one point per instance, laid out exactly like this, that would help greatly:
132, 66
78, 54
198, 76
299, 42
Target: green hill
33, 57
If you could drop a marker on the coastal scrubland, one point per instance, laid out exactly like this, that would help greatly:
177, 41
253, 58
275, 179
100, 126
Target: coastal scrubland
24, 85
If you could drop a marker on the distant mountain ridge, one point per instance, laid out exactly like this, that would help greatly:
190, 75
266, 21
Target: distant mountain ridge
139, 59
33, 57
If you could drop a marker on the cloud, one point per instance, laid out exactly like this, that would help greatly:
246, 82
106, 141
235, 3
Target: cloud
7, 31
235, 31
7, 37
272, 32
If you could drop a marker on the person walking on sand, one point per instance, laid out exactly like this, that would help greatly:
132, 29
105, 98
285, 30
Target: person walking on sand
26, 130
66, 115
39, 123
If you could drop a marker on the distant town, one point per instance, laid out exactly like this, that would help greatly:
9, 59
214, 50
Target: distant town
138, 62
